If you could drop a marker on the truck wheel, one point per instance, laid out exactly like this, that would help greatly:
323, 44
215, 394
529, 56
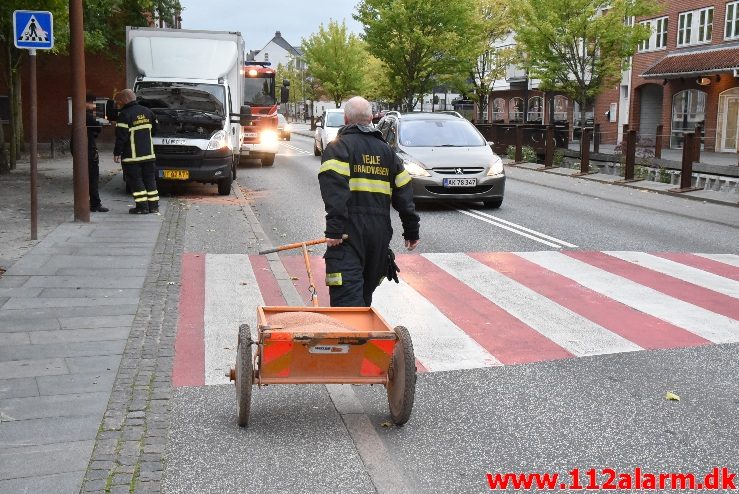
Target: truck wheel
235, 166
224, 186
288, 137
269, 161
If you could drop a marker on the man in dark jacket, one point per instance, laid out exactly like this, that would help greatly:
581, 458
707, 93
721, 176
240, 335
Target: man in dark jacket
93, 158
134, 148
360, 178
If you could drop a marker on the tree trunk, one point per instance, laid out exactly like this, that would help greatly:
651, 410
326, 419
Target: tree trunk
4, 165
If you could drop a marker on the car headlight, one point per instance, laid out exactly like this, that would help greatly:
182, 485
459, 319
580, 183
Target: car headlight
218, 140
268, 137
496, 167
414, 169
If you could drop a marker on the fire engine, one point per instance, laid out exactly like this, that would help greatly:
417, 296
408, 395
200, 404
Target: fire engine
260, 138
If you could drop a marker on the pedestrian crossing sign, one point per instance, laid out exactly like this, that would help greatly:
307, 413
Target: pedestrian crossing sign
33, 29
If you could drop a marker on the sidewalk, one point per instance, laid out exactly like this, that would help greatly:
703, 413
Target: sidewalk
66, 312
730, 197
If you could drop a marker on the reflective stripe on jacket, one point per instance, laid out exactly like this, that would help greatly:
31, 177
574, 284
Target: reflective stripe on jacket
133, 131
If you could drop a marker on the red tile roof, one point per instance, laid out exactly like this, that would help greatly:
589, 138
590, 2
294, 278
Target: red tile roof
708, 61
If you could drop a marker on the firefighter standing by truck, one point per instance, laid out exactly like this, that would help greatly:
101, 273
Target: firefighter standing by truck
360, 178
134, 149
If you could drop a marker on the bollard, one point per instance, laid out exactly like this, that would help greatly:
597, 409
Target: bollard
519, 144
549, 147
625, 131
630, 156
696, 144
658, 142
53, 153
596, 138
585, 151
686, 174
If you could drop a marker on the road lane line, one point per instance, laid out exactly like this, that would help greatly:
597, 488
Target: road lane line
576, 334
706, 324
703, 263
523, 228
231, 296
669, 285
502, 335
677, 270
643, 329
500, 225
188, 367
295, 148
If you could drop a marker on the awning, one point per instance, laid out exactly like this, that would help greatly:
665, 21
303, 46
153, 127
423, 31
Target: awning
703, 62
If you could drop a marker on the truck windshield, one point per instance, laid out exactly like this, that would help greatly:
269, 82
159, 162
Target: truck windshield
259, 91
182, 96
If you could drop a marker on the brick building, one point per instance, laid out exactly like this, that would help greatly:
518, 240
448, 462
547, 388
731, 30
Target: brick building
685, 75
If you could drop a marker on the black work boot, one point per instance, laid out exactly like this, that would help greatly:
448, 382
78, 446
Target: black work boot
153, 206
141, 208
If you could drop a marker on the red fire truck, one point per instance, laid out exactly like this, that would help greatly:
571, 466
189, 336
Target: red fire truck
260, 139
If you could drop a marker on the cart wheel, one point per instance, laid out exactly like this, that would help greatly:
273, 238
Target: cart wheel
401, 386
244, 375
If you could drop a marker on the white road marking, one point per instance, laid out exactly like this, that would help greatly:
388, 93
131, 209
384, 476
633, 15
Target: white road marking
523, 228
571, 331
231, 298
709, 325
730, 259
438, 343
681, 271
295, 148
504, 227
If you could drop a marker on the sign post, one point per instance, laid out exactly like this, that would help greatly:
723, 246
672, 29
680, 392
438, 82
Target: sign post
33, 30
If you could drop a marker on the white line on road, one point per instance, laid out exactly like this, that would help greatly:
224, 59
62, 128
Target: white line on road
730, 259
295, 148
517, 229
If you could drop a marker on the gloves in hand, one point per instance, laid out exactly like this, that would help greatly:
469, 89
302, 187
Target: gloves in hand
392, 267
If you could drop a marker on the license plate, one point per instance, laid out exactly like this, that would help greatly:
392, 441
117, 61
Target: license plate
175, 174
460, 182
250, 134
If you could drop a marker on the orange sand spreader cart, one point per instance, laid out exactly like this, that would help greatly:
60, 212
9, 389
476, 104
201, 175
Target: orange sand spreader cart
324, 345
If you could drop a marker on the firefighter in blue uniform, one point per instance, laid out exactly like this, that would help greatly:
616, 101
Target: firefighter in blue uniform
360, 178
134, 149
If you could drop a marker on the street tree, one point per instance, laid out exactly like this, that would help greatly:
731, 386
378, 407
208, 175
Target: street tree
377, 85
420, 41
494, 25
336, 59
578, 47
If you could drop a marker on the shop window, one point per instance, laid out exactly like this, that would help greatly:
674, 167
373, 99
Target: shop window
561, 104
688, 112
536, 110
515, 112
498, 110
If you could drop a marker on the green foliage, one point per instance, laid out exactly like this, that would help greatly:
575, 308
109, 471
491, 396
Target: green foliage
558, 158
664, 175
336, 60
420, 42
528, 154
578, 47
641, 172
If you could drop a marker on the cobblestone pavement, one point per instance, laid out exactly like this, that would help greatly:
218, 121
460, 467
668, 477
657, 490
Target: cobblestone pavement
130, 443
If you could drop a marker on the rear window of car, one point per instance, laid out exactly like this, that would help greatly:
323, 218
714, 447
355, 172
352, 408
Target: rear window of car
439, 133
334, 119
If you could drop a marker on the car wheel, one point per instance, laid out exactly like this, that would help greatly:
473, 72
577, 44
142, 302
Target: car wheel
493, 203
235, 166
269, 161
224, 186
287, 138
316, 151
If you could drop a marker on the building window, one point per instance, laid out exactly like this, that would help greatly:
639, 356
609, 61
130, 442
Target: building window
695, 27
515, 112
536, 110
658, 39
688, 112
498, 110
560, 108
732, 20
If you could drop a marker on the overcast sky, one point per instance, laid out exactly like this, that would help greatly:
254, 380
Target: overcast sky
258, 20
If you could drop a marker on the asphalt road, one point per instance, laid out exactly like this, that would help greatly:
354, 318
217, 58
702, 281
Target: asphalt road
601, 411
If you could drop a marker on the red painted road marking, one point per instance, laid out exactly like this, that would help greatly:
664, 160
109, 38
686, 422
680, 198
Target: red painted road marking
188, 368
268, 285
644, 330
295, 266
509, 340
679, 289
704, 264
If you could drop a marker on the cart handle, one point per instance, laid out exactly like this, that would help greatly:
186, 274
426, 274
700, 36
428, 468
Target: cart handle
298, 245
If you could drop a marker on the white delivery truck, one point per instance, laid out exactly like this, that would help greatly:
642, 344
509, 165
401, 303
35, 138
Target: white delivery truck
193, 82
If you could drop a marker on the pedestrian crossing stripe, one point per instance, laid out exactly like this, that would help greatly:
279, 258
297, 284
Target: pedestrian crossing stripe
33, 31
473, 310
